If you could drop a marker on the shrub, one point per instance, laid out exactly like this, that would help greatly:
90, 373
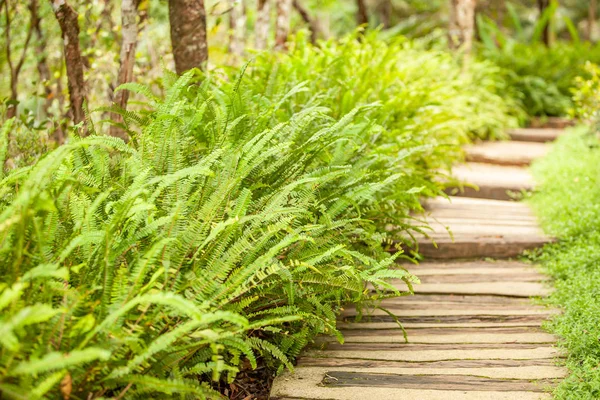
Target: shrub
140, 268
586, 95
542, 76
426, 96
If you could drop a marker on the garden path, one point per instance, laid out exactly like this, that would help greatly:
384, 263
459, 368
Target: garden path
474, 333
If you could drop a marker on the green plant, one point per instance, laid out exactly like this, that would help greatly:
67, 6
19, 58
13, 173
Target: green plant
136, 270
567, 203
586, 95
541, 76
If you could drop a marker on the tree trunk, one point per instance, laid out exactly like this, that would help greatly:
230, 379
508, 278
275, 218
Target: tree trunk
43, 68
542, 6
591, 25
461, 28
69, 26
263, 23
500, 13
282, 24
311, 22
362, 15
129, 31
385, 10
15, 69
237, 25
188, 34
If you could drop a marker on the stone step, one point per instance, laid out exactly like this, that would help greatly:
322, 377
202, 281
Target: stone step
506, 153
540, 135
498, 182
473, 228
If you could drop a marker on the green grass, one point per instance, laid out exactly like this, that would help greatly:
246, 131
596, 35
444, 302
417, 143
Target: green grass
568, 204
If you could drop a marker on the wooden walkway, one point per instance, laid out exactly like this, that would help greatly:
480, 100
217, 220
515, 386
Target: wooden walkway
473, 331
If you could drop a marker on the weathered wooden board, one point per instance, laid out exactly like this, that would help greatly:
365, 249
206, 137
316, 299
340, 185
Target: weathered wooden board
432, 382
384, 321
453, 233
540, 135
551, 122
506, 153
497, 182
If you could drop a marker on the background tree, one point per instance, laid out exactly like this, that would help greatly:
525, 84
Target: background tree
542, 6
461, 29
282, 23
237, 27
263, 23
362, 14
188, 34
67, 19
591, 22
14, 67
310, 21
129, 32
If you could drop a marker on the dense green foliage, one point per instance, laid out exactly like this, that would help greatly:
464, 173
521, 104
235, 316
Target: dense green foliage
425, 93
243, 213
587, 96
542, 77
568, 204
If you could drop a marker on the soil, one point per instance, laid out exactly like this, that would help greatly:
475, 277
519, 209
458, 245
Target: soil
250, 384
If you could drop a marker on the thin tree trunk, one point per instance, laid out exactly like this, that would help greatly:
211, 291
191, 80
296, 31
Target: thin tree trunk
362, 15
385, 10
542, 6
591, 25
129, 30
461, 28
15, 69
69, 26
282, 23
188, 34
263, 23
500, 13
311, 22
43, 68
237, 25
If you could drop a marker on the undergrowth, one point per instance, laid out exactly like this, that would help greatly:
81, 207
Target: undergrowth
568, 204
244, 212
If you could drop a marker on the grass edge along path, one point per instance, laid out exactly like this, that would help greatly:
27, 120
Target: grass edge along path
567, 203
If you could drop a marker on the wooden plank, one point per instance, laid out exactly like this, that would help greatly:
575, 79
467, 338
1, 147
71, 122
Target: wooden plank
470, 264
436, 352
475, 246
540, 135
475, 203
384, 320
506, 153
551, 122
445, 331
462, 336
491, 181
461, 300
432, 382
432, 365
471, 278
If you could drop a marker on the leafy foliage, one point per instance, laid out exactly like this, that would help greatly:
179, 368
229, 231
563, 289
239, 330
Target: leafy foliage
586, 96
567, 203
243, 213
541, 76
